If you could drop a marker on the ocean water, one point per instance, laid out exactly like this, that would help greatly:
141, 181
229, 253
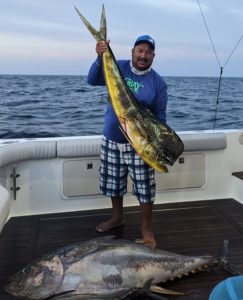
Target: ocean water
57, 106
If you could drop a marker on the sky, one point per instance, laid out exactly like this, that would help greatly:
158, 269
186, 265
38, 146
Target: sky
48, 37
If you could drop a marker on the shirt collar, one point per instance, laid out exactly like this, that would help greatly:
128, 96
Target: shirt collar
137, 72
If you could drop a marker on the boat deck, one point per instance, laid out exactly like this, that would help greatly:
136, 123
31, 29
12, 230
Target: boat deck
190, 228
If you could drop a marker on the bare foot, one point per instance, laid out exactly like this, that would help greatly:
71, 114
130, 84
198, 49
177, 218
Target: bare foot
148, 238
110, 224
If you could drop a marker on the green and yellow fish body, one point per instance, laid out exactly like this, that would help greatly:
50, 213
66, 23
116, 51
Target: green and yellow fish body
156, 143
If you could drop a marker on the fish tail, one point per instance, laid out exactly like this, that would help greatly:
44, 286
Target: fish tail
103, 30
224, 259
224, 251
98, 35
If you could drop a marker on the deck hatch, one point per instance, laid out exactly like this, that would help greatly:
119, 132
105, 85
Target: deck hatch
81, 177
187, 172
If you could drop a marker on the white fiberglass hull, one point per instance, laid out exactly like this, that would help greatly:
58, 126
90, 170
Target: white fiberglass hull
62, 174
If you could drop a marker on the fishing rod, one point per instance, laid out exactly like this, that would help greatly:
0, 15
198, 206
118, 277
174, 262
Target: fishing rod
217, 58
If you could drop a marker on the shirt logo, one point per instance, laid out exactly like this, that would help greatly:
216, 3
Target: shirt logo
133, 85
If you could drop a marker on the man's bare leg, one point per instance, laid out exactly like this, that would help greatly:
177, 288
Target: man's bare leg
116, 218
147, 233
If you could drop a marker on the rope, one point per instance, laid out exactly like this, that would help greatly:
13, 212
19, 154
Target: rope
217, 58
206, 25
233, 50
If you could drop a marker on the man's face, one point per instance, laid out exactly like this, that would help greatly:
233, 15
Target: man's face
142, 56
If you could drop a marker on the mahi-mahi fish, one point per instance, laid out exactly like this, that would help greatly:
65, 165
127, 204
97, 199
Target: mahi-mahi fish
102, 268
153, 140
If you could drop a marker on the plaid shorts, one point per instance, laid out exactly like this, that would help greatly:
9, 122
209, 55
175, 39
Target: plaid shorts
116, 162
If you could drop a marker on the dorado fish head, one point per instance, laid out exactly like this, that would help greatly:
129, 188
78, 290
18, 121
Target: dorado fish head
38, 280
168, 149
152, 158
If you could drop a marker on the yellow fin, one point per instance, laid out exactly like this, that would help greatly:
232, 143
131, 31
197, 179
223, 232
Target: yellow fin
159, 290
126, 136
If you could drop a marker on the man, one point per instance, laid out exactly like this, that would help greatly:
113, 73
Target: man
118, 158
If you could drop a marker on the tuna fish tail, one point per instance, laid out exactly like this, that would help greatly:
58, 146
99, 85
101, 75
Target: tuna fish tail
224, 262
223, 252
98, 35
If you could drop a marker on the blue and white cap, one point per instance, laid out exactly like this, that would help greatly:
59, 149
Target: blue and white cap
145, 39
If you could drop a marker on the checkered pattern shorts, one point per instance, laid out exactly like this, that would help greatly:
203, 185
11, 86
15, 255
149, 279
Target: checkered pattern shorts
119, 160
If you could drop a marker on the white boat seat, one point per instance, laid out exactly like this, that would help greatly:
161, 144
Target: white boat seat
79, 147
88, 146
204, 141
5, 205
26, 150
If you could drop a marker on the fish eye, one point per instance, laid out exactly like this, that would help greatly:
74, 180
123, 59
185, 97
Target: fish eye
25, 271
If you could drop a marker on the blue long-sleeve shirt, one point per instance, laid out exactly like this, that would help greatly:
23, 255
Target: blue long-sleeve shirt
149, 89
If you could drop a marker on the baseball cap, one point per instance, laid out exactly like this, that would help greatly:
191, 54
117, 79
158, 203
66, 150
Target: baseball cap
229, 289
145, 39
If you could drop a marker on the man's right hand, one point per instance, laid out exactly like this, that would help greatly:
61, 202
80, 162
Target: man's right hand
101, 47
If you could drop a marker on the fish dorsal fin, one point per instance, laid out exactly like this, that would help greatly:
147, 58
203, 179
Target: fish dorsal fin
76, 251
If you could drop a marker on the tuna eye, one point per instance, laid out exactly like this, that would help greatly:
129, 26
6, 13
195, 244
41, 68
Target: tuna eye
25, 271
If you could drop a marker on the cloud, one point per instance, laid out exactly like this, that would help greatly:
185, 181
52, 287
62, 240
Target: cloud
175, 5
15, 45
18, 23
188, 6
51, 30
236, 12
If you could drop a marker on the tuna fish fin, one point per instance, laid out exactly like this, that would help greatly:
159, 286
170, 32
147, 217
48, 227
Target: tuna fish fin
74, 295
146, 291
63, 296
150, 295
159, 290
98, 35
150, 288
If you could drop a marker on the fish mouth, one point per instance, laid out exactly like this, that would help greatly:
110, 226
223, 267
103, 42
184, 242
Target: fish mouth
169, 160
14, 287
11, 289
